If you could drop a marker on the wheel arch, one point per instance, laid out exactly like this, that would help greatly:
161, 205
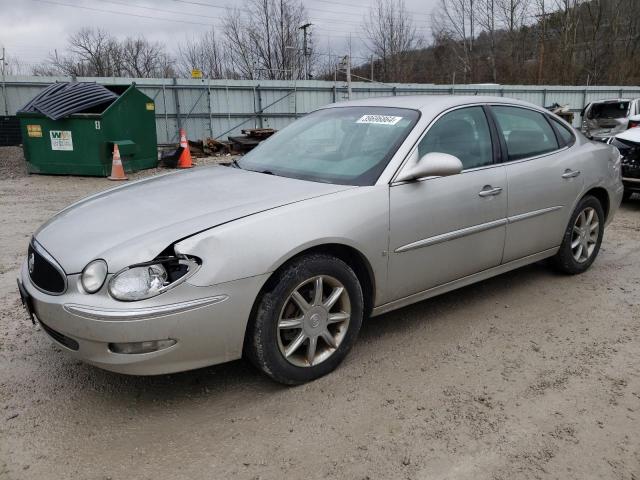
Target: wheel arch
348, 254
603, 197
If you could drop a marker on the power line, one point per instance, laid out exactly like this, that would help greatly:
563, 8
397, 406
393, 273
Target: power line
154, 9
413, 12
129, 14
209, 5
350, 36
102, 10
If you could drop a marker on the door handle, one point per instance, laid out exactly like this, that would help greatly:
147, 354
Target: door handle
489, 191
568, 173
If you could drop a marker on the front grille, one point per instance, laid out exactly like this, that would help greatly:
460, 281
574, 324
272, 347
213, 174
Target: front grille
44, 273
60, 338
629, 171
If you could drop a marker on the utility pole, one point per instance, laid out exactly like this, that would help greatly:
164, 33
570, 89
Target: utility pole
544, 15
4, 83
371, 68
346, 61
305, 49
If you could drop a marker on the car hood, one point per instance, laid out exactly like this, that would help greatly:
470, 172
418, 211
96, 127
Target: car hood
135, 222
631, 135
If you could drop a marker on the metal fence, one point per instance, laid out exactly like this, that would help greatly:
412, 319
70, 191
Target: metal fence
218, 108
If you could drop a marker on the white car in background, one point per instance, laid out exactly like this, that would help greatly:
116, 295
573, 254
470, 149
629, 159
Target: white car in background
604, 119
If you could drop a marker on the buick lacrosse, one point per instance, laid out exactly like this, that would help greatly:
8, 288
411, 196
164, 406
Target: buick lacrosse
354, 210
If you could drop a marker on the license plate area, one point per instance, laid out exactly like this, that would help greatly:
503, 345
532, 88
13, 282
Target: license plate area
27, 302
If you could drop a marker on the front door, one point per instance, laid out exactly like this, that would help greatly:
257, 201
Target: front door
445, 228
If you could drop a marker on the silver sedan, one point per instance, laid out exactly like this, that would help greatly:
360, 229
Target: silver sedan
356, 209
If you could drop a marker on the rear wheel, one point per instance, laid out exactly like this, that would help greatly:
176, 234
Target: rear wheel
307, 322
582, 239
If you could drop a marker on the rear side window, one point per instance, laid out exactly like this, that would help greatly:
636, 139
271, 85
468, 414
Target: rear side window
463, 133
526, 132
566, 135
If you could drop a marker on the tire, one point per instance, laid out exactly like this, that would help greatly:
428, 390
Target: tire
626, 196
565, 260
271, 333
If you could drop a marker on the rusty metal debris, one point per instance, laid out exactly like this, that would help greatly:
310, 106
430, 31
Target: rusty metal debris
250, 139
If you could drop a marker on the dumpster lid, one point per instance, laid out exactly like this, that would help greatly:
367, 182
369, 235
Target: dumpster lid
60, 100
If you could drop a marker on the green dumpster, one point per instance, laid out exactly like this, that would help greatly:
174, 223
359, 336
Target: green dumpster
70, 129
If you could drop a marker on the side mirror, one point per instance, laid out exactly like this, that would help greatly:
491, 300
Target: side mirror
434, 164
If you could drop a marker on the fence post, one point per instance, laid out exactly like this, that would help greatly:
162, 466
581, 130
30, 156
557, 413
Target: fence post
258, 111
166, 115
176, 99
544, 97
209, 107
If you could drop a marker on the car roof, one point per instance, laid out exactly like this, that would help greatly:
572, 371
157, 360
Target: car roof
429, 104
614, 100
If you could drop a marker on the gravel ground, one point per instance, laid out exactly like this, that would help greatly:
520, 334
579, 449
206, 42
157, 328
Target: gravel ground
527, 375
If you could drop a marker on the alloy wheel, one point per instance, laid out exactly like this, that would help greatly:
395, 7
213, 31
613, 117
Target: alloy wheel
585, 235
314, 321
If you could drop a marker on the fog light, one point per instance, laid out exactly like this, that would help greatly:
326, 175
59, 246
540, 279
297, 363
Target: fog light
141, 347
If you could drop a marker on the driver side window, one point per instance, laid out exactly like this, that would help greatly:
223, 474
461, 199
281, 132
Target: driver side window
463, 133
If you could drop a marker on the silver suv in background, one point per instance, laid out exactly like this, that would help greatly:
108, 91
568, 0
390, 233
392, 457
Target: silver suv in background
604, 119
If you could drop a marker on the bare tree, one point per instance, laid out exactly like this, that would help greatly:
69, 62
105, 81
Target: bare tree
206, 53
13, 65
512, 15
95, 50
568, 18
486, 19
143, 59
456, 21
391, 35
97, 53
263, 39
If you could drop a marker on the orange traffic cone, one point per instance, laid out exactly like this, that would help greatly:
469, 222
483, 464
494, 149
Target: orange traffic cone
117, 170
185, 157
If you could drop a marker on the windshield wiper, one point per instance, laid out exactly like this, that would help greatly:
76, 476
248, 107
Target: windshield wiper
235, 164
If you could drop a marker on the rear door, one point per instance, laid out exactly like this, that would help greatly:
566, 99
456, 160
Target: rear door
543, 178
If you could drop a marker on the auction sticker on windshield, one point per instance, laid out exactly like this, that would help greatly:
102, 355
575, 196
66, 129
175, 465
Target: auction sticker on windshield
379, 119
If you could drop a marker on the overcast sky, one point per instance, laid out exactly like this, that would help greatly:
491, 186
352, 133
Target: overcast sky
32, 29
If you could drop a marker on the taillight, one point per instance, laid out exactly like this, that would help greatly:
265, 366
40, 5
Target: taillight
634, 123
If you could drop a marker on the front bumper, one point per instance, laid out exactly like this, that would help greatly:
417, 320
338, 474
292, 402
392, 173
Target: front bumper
631, 184
207, 323
631, 174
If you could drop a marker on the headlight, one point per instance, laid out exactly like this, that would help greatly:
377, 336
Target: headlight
146, 280
94, 275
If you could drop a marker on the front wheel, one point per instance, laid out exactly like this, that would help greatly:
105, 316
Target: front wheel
582, 239
306, 323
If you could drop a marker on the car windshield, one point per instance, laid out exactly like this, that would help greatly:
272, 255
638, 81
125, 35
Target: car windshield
609, 110
341, 145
